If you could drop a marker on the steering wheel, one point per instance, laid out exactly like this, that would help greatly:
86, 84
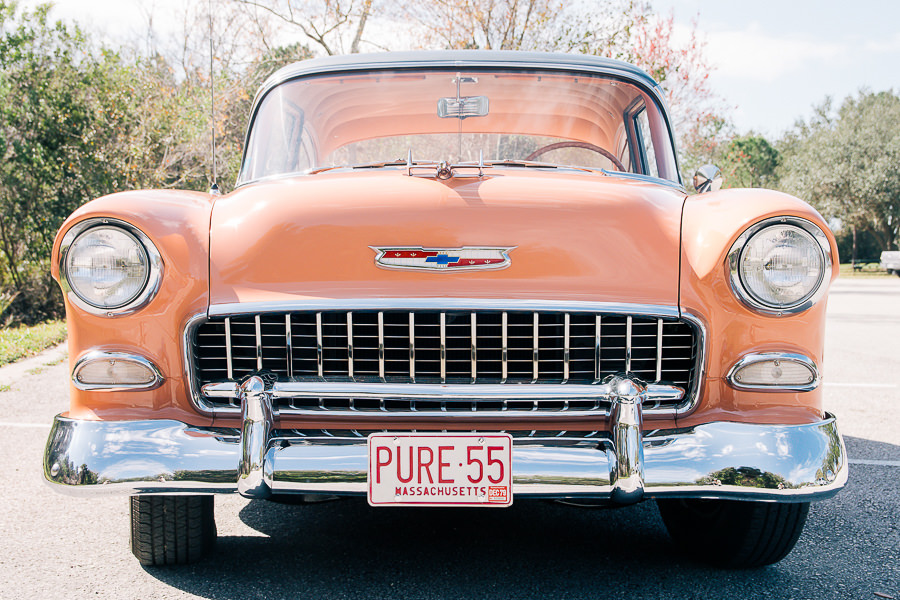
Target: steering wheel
574, 144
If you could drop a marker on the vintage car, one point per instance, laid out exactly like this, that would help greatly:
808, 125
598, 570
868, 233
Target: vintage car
457, 278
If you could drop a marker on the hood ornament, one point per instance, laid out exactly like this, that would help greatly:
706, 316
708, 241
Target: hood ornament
467, 258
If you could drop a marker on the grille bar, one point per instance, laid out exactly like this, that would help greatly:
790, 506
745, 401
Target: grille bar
519, 349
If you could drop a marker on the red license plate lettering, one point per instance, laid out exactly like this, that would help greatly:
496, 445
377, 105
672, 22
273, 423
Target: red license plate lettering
440, 469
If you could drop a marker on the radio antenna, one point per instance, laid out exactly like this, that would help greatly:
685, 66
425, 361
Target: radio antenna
214, 188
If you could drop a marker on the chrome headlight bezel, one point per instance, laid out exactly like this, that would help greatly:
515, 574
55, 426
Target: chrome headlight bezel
151, 284
745, 296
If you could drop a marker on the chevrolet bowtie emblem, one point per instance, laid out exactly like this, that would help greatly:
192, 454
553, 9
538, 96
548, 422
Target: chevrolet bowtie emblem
467, 258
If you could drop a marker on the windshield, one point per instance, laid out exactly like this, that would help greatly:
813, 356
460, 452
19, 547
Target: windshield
522, 116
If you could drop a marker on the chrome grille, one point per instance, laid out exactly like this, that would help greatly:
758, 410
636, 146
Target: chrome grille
445, 347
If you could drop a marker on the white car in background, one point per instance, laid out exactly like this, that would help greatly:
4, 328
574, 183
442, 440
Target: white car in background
890, 262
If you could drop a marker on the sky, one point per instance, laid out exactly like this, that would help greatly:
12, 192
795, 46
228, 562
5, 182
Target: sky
774, 60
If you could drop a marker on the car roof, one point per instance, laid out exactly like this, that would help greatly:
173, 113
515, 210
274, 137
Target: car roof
461, 59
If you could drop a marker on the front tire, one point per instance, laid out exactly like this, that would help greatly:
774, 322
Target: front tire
734, 534
170, 530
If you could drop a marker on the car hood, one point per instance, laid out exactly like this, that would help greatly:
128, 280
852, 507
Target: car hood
576, 236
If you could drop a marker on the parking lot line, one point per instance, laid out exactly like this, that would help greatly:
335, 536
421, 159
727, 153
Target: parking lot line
860, 384
877, 463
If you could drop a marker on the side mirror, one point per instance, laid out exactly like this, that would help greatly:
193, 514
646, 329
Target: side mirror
707, 178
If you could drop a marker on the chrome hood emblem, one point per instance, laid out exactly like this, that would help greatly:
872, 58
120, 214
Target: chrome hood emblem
467, 258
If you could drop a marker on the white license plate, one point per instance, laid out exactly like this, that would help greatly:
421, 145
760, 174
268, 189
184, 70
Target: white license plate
440, 469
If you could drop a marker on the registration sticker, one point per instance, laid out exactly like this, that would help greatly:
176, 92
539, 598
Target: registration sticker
449, 469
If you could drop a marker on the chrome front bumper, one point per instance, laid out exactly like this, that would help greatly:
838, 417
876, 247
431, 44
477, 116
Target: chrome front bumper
788, 463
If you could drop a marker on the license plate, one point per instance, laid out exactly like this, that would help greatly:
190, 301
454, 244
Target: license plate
440, 469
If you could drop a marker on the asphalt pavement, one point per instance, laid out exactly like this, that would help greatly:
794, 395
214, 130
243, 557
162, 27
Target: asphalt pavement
56, 546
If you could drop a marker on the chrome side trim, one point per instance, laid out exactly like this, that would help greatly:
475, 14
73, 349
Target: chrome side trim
750, 359
732, 265
102, 355
720, 460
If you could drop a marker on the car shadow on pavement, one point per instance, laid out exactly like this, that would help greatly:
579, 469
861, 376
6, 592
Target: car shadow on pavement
534, 549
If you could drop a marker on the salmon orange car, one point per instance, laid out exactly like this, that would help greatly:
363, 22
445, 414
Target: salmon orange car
452, 278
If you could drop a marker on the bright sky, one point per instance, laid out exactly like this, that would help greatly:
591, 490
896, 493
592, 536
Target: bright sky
774, 59
777, 59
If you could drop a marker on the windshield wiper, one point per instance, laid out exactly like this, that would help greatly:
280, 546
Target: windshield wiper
373, 165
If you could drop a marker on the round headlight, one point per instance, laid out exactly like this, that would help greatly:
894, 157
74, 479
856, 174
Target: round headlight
107, 267
780, 265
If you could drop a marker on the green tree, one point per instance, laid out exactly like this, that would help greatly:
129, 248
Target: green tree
750, 161
844, 162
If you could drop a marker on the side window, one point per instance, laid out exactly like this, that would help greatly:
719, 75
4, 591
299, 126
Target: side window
644, 142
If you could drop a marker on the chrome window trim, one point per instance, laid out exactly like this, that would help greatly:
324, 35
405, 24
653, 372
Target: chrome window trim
103, 355
732, 265
454, 60
750, 359
154, 273
692, 396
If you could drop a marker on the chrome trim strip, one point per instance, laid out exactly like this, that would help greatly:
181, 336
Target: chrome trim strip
535, 365
244, 308
660, 311
504, 352
566, 351
230, 367
750, 359
412, 346
474, 351
438, 391
290, 345
155, 267
381, 346
659, 349
350, 344
597, 347
106, 356
443, 347
732, 266
164, 457
628, 344
259, 361
320, 352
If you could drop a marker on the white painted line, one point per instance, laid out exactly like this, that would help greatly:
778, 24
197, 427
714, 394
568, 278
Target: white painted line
876, 463
861, 385
26, 425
